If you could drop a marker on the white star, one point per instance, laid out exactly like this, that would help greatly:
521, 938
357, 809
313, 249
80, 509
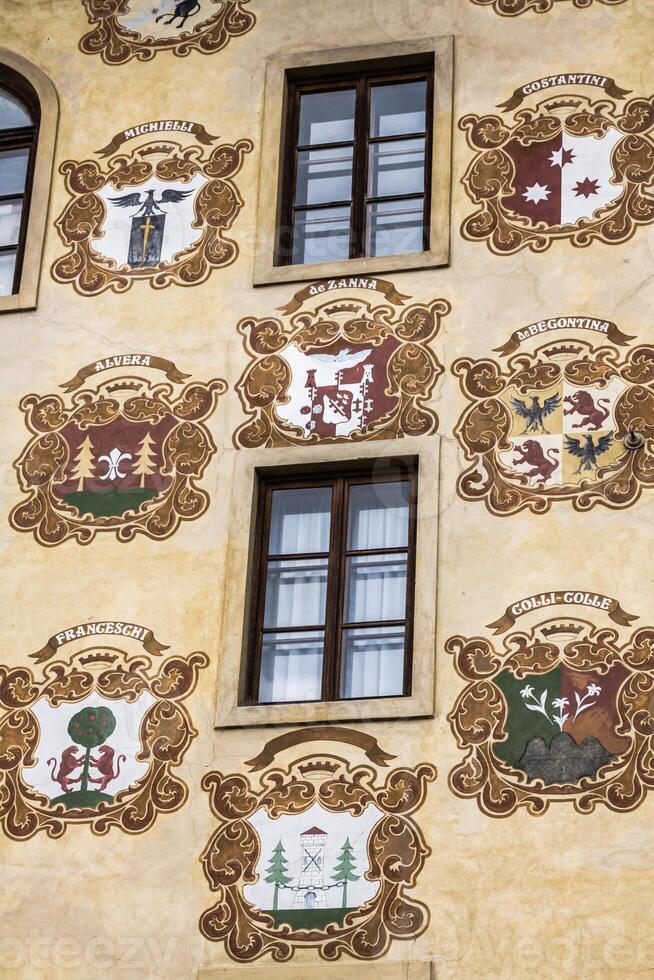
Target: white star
536, 193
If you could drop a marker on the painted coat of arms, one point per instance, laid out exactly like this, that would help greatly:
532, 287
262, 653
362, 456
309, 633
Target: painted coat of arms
340, 370
159, 212
511, 8
96, 737
564, 712
125, 457
565, 167
317, 855
126, 29
571, 421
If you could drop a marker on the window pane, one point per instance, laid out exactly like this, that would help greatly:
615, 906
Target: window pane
13, 169
397, 109
295, 593
396, 168
321, 236
378, 516
375, 588
7, 263
13, 114
291, 667
324, 176
327, 117
10, 212
300, 521
373, 662
394, 227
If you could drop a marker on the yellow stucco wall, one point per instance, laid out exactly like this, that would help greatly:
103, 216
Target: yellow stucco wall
554, 895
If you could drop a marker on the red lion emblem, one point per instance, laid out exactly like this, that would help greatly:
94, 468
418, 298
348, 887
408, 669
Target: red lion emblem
583, 403
532, 453
69, 762
104, 763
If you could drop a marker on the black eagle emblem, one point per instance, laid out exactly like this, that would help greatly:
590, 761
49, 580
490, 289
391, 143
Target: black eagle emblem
588, 452
535, 413
149, 205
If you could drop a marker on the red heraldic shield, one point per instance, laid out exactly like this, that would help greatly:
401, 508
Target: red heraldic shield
563, 179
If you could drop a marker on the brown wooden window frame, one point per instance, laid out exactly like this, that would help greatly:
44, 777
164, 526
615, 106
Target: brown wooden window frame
362, 77
24, 137
340, 479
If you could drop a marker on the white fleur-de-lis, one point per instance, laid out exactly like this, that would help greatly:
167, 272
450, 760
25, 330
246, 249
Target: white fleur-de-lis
113, 461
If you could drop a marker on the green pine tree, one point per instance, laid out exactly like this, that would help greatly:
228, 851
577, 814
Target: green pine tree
275, 871
344, 868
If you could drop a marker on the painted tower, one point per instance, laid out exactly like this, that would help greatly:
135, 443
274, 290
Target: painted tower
311, 893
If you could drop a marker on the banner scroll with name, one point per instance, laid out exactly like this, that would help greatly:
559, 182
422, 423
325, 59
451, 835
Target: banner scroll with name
159, 126
545, 599
606, 327
171, 371
102, 629
351, 282
609, 85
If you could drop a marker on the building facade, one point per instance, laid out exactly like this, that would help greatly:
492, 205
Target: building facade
327, 445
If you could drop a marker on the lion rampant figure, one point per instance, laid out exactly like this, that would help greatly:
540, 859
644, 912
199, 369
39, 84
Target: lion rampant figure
542, 465
104, 763
593, 415
68, 763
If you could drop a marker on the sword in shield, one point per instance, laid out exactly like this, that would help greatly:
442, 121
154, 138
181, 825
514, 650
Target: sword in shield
148, 224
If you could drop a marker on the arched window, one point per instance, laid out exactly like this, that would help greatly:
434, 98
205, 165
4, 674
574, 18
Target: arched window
19, 128
28, 123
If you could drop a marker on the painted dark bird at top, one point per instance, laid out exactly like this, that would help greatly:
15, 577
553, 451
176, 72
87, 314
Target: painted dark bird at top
182, 11
588, 452
535, 414
149, 205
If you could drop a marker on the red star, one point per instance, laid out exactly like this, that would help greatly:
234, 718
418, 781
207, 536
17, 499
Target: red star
586, 187
567, 156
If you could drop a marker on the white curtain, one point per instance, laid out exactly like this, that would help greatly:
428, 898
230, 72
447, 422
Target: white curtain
373, 658
300, 521
291, 663
291, 667
379, 516
375, 588
295, 593
373, 662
